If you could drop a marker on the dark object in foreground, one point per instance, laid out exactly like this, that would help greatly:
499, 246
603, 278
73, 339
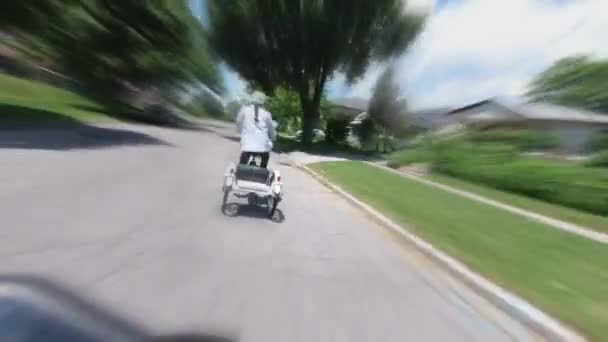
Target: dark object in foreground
34, 309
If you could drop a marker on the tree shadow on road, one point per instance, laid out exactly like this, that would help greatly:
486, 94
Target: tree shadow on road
192, 338
28, 128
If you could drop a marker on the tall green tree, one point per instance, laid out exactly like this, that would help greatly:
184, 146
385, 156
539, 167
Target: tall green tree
112, 46
300, 44
387, 107
387, 114
577, 81
285, 107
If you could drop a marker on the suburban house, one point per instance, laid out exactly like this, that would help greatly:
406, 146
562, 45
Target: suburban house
573, 127
431, 118
356, 110
350, 107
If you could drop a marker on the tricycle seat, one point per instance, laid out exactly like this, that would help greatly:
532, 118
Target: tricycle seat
252, 173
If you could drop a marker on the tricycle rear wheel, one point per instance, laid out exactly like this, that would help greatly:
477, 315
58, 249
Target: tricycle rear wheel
227, 209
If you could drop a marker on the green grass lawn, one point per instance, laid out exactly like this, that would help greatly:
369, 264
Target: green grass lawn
25, 100
596, 222
564, 274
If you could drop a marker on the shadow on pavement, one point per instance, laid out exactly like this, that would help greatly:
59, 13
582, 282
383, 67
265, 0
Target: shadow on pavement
192, 338
26, 128
258, 212
234, 138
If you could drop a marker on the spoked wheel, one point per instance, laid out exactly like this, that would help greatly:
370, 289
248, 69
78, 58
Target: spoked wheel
272, 206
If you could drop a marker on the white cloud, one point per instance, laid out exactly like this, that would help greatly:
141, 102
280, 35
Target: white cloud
452, 92
478, 48
235, 85
418, 6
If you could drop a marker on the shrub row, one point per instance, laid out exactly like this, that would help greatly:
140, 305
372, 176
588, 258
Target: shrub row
599, 160
498, 166
410, 156
521, 138
336, 129
600, 141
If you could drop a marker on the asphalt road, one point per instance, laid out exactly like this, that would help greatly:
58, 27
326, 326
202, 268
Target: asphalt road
130, 216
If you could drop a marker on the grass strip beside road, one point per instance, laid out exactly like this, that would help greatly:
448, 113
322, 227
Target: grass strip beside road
595, 222
32, 101
563, 274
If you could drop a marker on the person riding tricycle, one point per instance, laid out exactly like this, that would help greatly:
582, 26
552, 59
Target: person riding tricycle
251, 178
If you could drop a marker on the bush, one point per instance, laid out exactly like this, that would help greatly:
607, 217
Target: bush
410, 156
522, 139
336, 130
419, 151
365, 131
599, 160
600, 141
497, 166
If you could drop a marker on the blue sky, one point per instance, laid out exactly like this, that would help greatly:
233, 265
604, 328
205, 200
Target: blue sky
474, 49
234, 85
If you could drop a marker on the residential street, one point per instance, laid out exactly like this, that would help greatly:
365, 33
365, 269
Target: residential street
130, 216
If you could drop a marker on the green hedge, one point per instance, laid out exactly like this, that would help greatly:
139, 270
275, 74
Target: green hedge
600, 141
523, 139
599, 160
409, 156
498, 166
336, 129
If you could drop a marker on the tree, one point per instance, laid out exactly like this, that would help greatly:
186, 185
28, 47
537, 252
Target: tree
285, 107
113, 46
387, 109
29, 15
365, 131
577, 81
205, 103
336, 129
300, 44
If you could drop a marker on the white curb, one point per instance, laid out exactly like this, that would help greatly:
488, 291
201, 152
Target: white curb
513, 305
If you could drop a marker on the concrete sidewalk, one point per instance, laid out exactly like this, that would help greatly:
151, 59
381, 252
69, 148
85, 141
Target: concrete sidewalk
303, 158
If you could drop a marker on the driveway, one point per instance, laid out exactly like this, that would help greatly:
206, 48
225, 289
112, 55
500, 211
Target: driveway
130, 216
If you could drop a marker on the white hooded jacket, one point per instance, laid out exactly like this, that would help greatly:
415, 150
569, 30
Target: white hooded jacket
256, 135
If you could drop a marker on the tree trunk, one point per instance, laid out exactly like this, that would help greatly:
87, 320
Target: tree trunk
309, 122
310, 111
311, 103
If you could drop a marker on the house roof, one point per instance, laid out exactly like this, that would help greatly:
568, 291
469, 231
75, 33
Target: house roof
355, 103
430, 118
539, 111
